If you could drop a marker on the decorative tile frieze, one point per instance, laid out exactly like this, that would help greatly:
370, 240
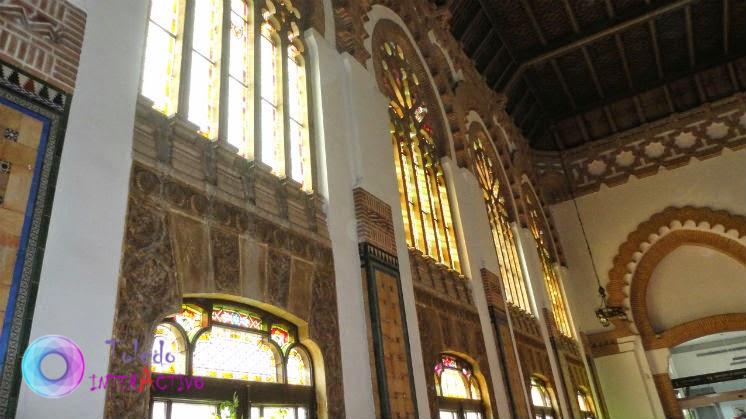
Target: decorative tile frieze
32, 88
670, 143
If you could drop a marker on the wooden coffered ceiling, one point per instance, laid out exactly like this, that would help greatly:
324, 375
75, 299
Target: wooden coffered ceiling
576, 71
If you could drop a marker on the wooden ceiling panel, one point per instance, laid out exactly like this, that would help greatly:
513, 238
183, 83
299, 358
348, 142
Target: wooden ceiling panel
625, 6
684, 93
552, 18
605, 57
737, 25
638, 47
671, 31
570, 132
475, 35
654, 104
589, 13
597, 124
515, 25
707, 24
625, 114
739, 67
717, 83
462, 13
577, 74
549, 86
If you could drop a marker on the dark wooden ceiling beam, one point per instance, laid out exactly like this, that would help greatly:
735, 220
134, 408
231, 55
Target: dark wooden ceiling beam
610, 119
529, 113
733, 77
588, 38
565, 87
494, 60
502, 76
609, 9
656, 48
651, 85
470, 27
571, 16
535, 23
583, 129
557, 139
690, 36
726, 26
582, 39
594, 74
625, 63
669, 100
483, 43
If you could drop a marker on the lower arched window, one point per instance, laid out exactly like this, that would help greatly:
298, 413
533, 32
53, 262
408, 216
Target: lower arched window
218, 359
585, 404
541, 401
459, 396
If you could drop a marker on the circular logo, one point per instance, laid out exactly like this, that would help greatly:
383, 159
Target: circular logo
73, 370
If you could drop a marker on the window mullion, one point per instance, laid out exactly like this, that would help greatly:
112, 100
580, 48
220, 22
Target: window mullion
186, 61
284, 83
224, 72
257, 20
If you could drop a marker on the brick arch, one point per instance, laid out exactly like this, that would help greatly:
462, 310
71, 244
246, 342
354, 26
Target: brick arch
652, 241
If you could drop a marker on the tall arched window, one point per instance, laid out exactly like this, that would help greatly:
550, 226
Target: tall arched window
458, 391
234, 350
541, 401
502, 235
235, 94
585, 404
424, 199
537, 225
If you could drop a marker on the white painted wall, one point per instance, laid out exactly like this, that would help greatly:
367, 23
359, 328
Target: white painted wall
609, 215
694, 282
612, 213
82, 258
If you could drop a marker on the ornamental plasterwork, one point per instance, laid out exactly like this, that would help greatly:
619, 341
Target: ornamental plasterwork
701, 133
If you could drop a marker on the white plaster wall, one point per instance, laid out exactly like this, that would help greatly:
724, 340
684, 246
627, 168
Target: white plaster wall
694, 282
609, 215
82, 258
612, 213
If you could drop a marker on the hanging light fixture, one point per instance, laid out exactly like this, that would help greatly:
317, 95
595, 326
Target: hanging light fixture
605, 313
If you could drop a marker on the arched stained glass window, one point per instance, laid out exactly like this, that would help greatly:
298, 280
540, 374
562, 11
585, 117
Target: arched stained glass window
229, 347
265, 114
458, 391
422, 190
585, 404
502, 235
537, 226
169, 341
541, 401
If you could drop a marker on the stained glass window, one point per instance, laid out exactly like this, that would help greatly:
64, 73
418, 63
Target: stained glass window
273, 151
169, 350
502, 235
424, 199
297, 368
281, 335
235, 316
540, 399
585, 404
540, 235
300, 156
215, 356
265, 114
458, 392
204, 82
191, 319
240, 78
160, 82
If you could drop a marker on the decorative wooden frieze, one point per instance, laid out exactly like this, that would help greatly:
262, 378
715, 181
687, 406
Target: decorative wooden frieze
672, 142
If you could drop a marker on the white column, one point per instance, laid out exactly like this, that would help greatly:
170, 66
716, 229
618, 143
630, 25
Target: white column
477, 251
81, 266
330, 81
